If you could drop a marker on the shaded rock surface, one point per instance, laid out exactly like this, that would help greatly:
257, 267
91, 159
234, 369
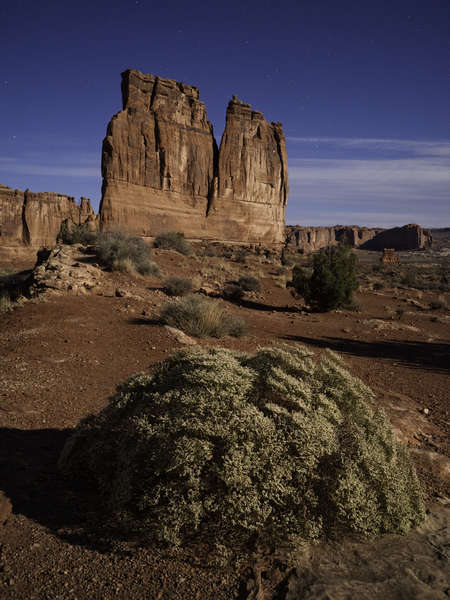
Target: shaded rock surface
162, 170
29, 220
311, 239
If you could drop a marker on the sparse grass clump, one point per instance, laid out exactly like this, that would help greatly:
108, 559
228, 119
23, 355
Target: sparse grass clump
6, 303
120, 252
236, 448
249, 283
173, 240
201, 317
177, 286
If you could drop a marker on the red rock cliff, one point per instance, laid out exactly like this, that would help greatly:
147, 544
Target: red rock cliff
162, 170
29, 220
311, 239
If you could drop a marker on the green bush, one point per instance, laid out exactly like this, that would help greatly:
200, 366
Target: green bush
332, 282
173, 240
76, 234
120, 252
236, 448
201, 317
177, 286
249, 283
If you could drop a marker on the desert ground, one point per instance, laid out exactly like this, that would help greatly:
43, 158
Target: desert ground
64, 352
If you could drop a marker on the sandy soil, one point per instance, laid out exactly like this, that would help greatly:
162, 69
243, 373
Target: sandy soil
62, 357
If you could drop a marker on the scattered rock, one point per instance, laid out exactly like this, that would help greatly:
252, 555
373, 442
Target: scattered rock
180, 336
61, 270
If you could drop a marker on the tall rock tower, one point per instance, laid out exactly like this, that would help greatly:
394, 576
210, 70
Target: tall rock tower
162, 170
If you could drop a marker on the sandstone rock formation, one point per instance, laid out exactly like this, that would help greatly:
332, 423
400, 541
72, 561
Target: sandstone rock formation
408, 237
162, 170
30, 220
311, 239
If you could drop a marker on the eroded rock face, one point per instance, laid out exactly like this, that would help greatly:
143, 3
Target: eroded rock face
408, 237
311, 239
162, 170
30, 220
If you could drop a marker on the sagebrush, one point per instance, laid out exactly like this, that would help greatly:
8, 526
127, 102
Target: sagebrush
76, 233
173, 240
201, 317
177, 286
120, 252
249, 283
272, 448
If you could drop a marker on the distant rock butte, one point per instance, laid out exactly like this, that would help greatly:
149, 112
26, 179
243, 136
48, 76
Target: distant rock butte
31, 220
162, 169
310, 239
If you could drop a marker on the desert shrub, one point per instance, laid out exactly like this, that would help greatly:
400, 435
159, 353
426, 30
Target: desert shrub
332, 282
286, 258
120, 252
173, 240
241, 256
6, 303
76, 234
201, 317
235, 448
437, 304
232, 292
177, 286
410, 278
249, 283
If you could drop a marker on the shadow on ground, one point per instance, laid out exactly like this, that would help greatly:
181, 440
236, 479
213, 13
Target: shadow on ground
30, 478
432, 356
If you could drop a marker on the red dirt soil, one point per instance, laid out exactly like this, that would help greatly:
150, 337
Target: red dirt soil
62, 357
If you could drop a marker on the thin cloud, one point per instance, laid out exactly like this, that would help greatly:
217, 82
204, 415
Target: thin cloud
414, 147
369, 192
19, 168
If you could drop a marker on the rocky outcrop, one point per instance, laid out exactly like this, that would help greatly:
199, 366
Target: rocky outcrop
162, 169
311, 239
408, 237
64, 269
29, 220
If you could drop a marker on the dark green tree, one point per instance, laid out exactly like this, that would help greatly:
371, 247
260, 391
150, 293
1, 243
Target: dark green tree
332, 282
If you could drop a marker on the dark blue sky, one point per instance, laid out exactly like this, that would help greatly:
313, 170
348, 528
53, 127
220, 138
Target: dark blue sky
362, 89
